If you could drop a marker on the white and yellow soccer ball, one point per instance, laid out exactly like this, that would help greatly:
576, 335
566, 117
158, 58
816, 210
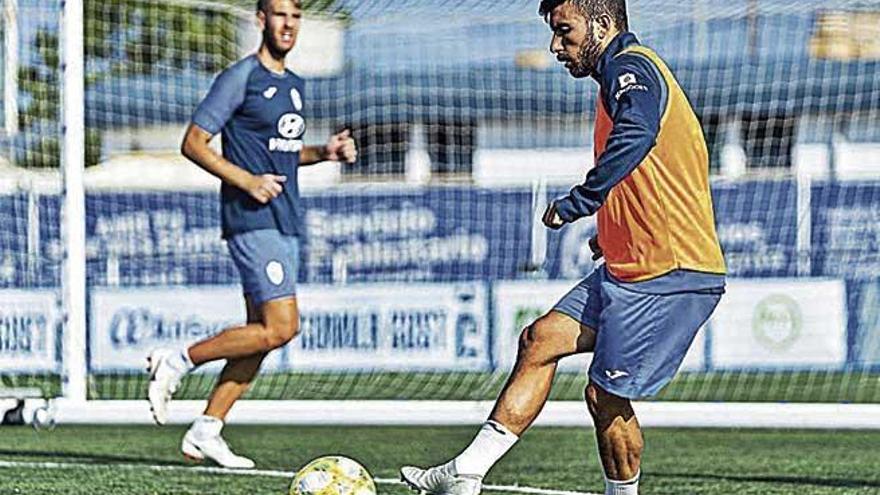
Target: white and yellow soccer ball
333, 475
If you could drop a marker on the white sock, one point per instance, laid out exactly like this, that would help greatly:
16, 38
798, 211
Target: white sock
628, 487
180, 361
206, 426
491, 443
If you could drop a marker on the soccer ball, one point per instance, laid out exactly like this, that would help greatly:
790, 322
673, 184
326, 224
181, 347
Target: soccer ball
333, 475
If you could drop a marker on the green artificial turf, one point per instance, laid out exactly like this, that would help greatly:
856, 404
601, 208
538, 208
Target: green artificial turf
121, 459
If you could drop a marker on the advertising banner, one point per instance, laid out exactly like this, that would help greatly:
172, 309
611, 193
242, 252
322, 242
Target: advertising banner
28, 330
441, 234
780, 324
392, 327
126, 324
757, 226
376, 327
846, 230
429, 234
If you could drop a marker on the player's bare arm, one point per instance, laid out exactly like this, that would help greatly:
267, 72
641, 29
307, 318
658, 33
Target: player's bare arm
263, 188
340, 147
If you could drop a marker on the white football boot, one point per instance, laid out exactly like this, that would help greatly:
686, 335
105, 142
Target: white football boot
164, 380
203, 441
440, 480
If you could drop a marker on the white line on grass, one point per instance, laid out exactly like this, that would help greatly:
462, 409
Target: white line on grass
255, 472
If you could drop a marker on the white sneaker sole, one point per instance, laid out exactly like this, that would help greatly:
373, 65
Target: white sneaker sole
152, 366
415, 486
193, 453
409, 483
190, 451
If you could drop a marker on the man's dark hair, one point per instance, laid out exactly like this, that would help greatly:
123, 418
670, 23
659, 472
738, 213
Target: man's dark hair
590, 8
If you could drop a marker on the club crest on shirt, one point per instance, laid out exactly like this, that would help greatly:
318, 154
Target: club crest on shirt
270, 92
296, 99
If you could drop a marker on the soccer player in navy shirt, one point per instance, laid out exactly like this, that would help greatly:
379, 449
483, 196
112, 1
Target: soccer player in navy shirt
257, 105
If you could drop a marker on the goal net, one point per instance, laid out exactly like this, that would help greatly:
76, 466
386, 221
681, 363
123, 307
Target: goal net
423, 261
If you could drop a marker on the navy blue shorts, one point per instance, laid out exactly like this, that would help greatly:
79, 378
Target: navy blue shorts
268, 262
641, 338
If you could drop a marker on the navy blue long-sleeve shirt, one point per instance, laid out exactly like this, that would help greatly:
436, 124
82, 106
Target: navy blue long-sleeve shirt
634, 95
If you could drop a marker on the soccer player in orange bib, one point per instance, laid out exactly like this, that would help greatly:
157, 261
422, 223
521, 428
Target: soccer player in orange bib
663, 273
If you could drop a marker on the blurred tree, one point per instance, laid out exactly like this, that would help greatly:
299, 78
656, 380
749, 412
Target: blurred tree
40, 116
137, 37
126, 38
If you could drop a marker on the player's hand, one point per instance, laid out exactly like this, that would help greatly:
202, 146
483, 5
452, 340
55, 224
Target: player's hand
551, 218
595, 247
266, 187
341, 147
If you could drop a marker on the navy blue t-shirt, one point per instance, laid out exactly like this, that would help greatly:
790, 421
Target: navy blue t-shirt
259, 113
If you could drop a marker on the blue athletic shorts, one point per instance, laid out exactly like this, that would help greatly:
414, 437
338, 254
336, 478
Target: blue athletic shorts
268, 262
641, 338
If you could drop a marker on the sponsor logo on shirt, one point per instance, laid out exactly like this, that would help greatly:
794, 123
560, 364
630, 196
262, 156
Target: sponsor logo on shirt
626, 79
628, 82
291, 126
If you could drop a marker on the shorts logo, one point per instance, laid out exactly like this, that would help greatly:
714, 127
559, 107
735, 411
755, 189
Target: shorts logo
275, 272
270, 92
615, 374
296, 99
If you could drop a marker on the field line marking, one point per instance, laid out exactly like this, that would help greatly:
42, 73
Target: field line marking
255, 472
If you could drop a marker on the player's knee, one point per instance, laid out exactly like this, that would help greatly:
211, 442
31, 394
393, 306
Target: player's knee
280, 330
528, 343
533, 343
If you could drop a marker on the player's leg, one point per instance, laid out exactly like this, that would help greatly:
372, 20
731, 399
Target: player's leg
619, 438
167, 367
204, 439
268, 263
566, 330
231, 385
541, 345
641, 344
237, 375
280, 324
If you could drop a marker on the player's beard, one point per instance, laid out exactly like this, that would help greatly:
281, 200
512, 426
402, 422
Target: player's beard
588, 58
272, 42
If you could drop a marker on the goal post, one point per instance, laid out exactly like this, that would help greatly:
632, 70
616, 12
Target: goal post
73, 232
